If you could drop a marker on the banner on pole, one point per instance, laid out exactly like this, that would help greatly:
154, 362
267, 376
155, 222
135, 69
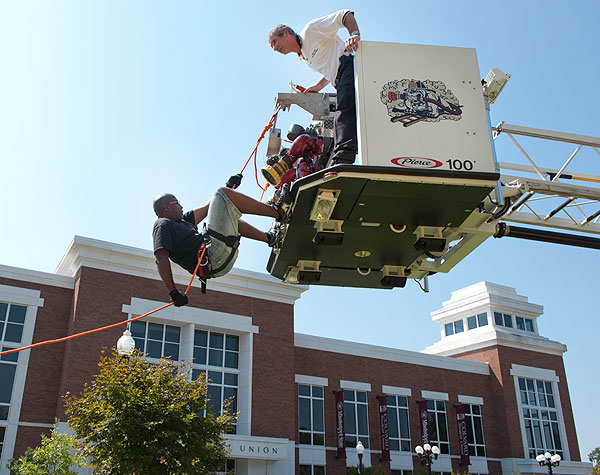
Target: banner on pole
339, 424
463, 440
385, 429
424, 419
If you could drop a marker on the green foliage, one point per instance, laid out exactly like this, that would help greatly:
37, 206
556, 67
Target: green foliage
52, 456
142, 418
594, 457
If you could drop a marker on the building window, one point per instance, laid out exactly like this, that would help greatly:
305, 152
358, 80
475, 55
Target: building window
156, 340
311, 415
475, 430
540, 417
356, 418
399, 432
454, 327
216, 349
438, 426
217, 356
8, 368
525, 324
503, 319
482, 319
2, 432
228, 469
12, 321
312, 470
477, 321
401, 472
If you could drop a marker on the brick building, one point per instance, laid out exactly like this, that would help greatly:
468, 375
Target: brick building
490, 363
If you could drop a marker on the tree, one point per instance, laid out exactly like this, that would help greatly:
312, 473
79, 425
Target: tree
594, 457
52, 456
142, 418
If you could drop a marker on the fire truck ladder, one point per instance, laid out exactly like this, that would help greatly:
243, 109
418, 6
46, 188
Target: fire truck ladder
552, 198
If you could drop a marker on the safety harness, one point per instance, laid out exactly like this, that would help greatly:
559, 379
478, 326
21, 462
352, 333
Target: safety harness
205, 270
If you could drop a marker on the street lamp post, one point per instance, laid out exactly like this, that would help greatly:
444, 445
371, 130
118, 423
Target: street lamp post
548, 460
360, 450
427, 454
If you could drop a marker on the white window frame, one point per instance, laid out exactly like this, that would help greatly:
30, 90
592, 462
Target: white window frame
477, 322
207, 368
397, 409
453, 324
190, 319
472, 417
313, 466
163, 341
31, 299
435, 396
312, 430
533, 330
227, 471
503, 324
542, 374
355, 387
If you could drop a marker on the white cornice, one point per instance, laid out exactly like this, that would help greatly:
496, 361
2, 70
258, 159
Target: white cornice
486, 295
27, 275
489, 336
389, 354
87, 252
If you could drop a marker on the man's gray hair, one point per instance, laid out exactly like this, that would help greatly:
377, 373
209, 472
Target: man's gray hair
279, 29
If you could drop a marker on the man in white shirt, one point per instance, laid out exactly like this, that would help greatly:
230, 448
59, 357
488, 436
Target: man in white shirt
319, 45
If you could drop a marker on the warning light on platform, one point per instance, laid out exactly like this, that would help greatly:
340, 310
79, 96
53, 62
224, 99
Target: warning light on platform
324, 204
362, 253
494, 83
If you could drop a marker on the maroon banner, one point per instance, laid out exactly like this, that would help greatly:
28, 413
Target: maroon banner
463, 441
424, 419
339, 424
385, 429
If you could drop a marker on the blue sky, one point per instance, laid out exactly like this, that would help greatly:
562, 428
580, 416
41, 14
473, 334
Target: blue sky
103, 105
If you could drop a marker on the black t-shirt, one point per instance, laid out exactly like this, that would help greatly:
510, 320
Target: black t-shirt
180, 238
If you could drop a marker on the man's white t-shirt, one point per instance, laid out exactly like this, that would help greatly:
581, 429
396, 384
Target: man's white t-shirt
321, 46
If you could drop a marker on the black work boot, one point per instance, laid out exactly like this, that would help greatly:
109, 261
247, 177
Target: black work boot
343, 161
282, 204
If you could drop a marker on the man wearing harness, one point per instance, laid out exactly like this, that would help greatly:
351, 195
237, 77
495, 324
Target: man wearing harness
319, 45
176, 236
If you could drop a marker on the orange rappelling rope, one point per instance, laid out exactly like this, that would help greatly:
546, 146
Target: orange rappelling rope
255, 151
70, 337
58, 340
